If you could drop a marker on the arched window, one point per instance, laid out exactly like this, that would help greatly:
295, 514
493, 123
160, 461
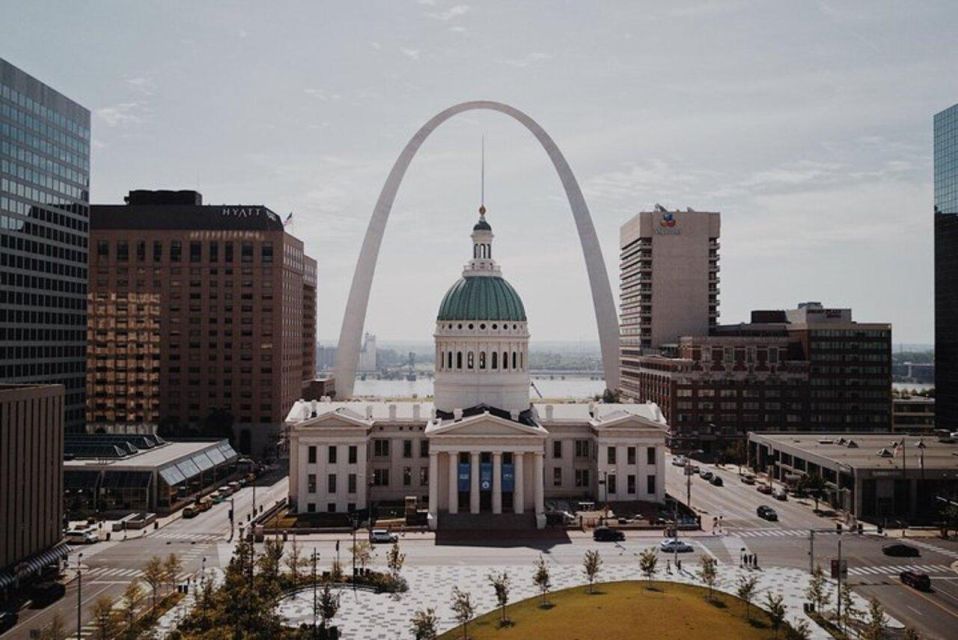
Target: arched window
459, 359
495, 360
521, 363
449, 365
470, 360
505, 359
515, 360
482, 359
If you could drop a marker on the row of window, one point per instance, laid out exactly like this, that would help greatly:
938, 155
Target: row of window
582, 481
196, 251
454, 360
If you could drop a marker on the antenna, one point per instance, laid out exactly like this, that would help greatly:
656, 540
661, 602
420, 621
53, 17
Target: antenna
482, 187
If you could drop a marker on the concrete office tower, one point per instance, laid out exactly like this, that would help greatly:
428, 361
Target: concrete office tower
44, 213
31, 481
367, 357
197, 315
668, 273
946, 268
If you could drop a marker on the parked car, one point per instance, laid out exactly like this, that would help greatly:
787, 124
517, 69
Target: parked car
225, 491
191, 511
716, 481
706, 475
764, 488
781, 494
382, 536
46, 593
235, 486
916, 580
678, 461
766, 512
605, 534
900, 550
81, 536
216, 497
7, 620
748, 479
673, 545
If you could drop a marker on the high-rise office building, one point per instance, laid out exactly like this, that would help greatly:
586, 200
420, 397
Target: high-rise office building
44, 215
946, 268
669, 263
199, 316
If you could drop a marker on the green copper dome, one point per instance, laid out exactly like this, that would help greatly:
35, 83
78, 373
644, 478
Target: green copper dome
482, 298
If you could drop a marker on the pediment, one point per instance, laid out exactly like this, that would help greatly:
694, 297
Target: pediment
484, 425
337, 419
623, 420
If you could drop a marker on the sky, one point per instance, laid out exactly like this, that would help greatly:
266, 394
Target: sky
808, 125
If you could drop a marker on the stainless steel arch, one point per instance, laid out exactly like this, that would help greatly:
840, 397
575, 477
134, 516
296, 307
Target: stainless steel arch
350, 337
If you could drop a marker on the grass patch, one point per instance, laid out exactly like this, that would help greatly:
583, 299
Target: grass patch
625, 611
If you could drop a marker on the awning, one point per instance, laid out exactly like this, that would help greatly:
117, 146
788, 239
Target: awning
216, 456
227, 450
188, 468
171, 475
202, 461
6, 579
35, 564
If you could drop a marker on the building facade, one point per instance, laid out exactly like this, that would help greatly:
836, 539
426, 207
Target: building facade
198, 315
913, 414
668, 270
31, 480
946, 268
44, 219
481, 449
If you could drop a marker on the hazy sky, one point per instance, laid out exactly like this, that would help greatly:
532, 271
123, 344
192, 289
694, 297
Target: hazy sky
807, 124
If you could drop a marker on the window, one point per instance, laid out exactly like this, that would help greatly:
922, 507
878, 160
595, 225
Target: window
582, 478
407, 448
311, 507
331, 507
140, 251
610, 453
557, 477
176, 250
407, 476
650, 455
351, 483
557, 449
246, 252
157, 252
423, 476
332, 454
214, 251
196, 251
228, 253
470, 360
423, 448
630, 455
331, 483
610, 485
650, 484
380, 477
381, 448
311, 483
311, 455
353, 453
630, 484
266, 252
581, 448
102, 249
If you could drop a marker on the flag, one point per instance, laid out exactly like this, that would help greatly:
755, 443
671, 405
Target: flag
288, 219
899, 447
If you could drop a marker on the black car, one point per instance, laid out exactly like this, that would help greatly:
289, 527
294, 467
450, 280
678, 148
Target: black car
766, 512
46, 593
706, 475
7, 620
716, 481
916, 580
900, 550
605, 534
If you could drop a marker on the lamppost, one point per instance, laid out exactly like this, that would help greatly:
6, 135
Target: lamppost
79, 594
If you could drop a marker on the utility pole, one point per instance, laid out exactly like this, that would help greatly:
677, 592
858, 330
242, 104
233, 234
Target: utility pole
811, 551
79, 594
314, 592
839, 598
688, 483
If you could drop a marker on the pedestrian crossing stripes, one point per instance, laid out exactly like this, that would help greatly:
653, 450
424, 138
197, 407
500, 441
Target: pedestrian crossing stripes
951, 553
189, 537
896, 569
99, 574
769, 533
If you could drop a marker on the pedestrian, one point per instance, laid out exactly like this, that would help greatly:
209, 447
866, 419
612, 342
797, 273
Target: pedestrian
678, 565
668, 567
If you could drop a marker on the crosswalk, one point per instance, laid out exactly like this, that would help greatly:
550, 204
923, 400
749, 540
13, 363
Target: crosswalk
189, 537
110, 574
769, 533
886, 570
951, 553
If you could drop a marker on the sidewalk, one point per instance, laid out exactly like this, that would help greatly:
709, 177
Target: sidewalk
169, 620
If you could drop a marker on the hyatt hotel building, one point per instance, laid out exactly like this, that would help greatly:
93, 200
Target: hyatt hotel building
197, 313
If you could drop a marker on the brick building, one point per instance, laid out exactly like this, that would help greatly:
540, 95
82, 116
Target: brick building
197, 314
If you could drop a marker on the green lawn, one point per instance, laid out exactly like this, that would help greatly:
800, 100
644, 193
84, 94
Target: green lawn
621, 611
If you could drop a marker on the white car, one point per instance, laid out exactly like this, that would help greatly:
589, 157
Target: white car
81, 536
678, 461
672, 545
382, 535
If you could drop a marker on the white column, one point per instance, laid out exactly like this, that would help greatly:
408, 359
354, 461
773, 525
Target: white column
433, 489
539, 484
518, 493
497, 482
474, 482
453, 482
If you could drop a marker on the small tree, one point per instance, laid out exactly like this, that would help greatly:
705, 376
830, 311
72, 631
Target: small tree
132, 597
591, 565
501, 583
328, 604
648, 560
798, 631
911, 634
949, 518
56, 630
541, 578
295, 561
849, 613
154, 574
395, 560
775, 609
104, 617
708, 572
746, 591
463, 608
424, 624
362, 553
336, 573
814, 485
876, 625
172, 567
816, 591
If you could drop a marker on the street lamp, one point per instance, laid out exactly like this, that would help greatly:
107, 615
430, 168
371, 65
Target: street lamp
79, 594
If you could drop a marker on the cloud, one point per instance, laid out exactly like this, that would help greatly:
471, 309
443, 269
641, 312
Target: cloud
122, 114
320, 94
143, 85
454, 11
525, 61
411, 53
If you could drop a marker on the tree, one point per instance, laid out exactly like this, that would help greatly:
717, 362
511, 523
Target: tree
154, 574
57, 629
104, 617
949, 518
541, 578
424, 624
328, 604
362, 553
799, 631
746, 591
816, 591
132, 597
591, 565
848, 611
812, 484
295, 561
395, 559
648, 560
876, 625
708, 572
464, 609
336, 573
911, 634
172, 567
501, 583
775, 609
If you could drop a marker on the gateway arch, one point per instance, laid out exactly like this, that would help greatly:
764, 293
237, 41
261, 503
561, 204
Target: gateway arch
350, 337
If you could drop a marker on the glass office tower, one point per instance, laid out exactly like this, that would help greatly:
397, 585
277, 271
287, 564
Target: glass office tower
946, 268
44, 220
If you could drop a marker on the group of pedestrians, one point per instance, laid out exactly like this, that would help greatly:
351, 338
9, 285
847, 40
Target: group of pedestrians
718, 525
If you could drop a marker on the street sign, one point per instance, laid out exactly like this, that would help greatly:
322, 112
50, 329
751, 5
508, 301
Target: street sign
836, 569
